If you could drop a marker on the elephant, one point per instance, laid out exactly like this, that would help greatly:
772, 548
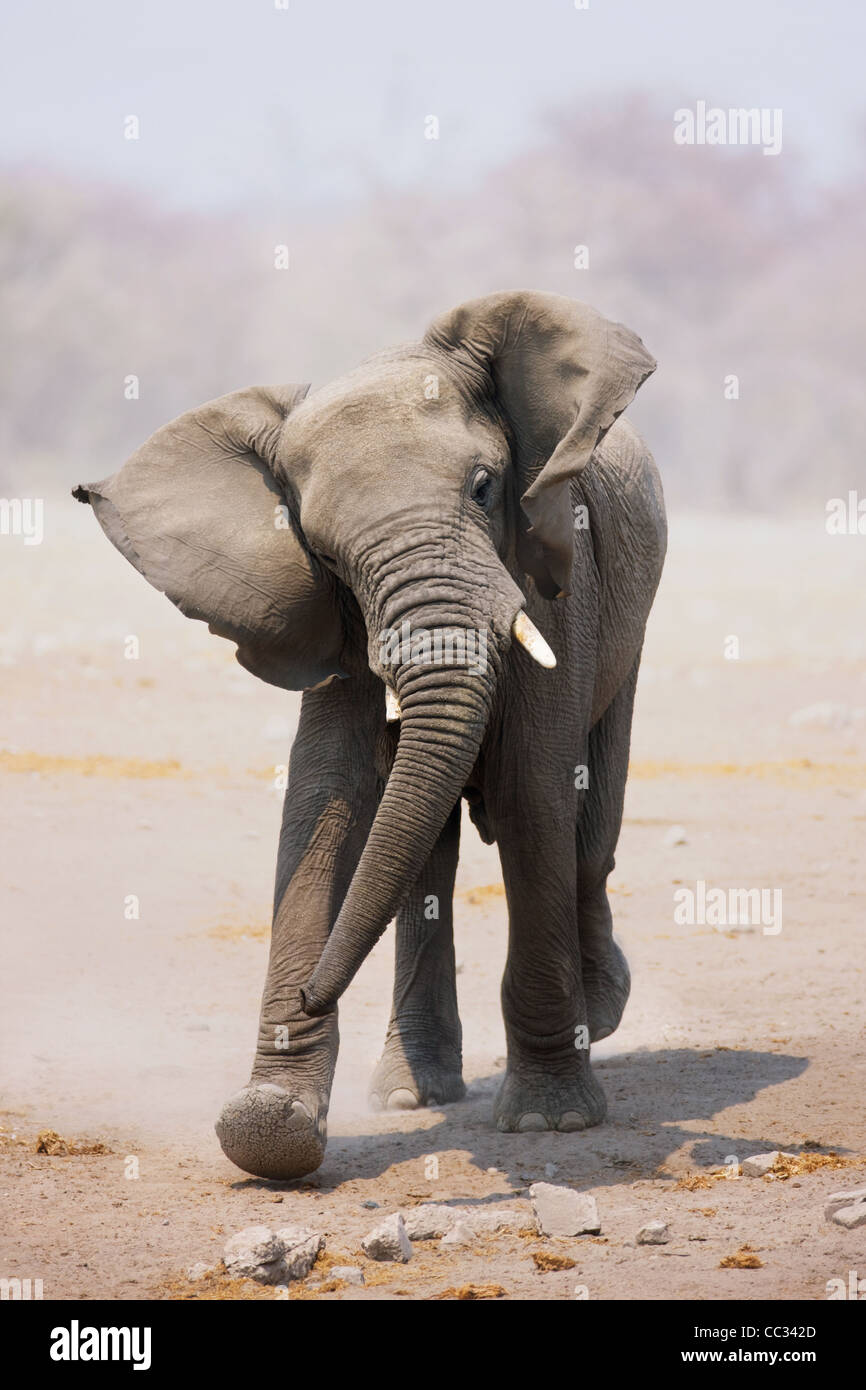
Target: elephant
452, 550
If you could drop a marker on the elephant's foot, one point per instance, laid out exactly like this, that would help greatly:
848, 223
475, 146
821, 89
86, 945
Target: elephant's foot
606, 984
529, 1100
274, 1132
408, 1077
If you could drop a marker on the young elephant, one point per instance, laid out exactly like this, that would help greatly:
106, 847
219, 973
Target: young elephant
380, 544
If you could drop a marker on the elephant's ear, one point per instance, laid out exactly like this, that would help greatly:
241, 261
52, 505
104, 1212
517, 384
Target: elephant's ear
561, 374
198, 512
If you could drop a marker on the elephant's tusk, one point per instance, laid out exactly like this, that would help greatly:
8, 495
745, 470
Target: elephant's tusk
392, 706
528, 636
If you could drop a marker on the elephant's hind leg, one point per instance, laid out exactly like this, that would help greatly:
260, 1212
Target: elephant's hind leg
422, 1062
606, 978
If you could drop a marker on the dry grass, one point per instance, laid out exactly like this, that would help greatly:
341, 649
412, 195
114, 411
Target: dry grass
697, 1182
546, 1260
792, 1166
744, 1258
467, 1292
786, 1166
482, 894
213, 1287
48, 1141
798, 1164
239, 931
94, 765
794, 772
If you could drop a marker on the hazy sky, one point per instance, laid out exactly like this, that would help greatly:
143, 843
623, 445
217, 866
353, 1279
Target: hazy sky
235, 96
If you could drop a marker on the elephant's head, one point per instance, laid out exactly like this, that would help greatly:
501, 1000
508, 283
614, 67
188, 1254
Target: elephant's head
414, 482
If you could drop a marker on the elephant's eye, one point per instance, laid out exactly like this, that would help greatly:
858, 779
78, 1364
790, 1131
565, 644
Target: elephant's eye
482, 486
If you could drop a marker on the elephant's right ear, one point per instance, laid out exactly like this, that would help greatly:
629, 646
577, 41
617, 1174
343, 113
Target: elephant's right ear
198, 512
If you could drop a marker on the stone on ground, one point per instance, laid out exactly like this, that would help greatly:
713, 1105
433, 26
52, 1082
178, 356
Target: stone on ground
254, 1253
431, 1220
488, 1220
461, 1233
560, 1211
388, 1241
759, 1164
272, 1257
847, 1209
654, 1233
300, 1248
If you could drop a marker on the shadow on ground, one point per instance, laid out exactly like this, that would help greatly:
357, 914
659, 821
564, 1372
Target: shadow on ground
657, 1101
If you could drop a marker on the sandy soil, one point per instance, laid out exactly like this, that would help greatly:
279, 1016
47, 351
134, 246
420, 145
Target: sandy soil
154, 777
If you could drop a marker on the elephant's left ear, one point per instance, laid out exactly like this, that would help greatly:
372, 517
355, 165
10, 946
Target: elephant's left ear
198, 511
561, 374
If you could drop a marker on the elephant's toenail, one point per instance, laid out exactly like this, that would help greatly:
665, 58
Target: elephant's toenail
532, 1121
570, 1121
402, 1099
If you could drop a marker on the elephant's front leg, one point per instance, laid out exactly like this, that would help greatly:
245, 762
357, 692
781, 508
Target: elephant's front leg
422, 1060
549, 1083
276, 1126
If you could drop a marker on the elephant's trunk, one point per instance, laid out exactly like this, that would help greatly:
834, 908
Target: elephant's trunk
444, 715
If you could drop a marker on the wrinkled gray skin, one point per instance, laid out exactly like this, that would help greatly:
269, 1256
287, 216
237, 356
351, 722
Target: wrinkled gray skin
436, 483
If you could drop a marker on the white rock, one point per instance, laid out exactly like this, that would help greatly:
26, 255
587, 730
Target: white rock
272, 1257
198, 1271
431, 1220
489, 1220
847, 1208
461, 1233
849, 1217
254, 1253
844, 1199
434, 1220
654, 1233
560, 1211
676, 835
350, 1274
388, 1241
759, 1164
300, 1249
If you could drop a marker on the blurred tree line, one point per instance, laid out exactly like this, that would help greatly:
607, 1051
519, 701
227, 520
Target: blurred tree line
727, 262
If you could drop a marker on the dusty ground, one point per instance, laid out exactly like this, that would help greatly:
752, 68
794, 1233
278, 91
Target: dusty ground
154, 777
